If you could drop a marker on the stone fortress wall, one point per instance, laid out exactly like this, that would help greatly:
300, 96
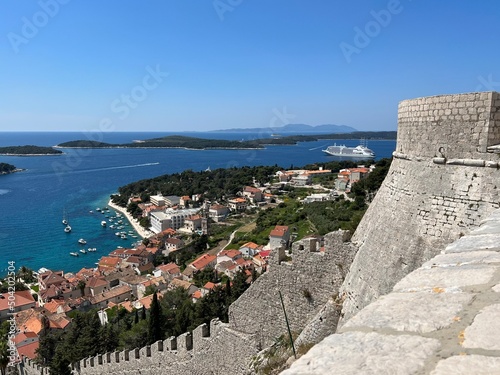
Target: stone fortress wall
443, 180
255, 319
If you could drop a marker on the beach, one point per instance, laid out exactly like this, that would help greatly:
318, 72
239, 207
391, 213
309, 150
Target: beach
144, 233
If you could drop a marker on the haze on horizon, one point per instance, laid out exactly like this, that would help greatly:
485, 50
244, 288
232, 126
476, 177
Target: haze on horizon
185, 65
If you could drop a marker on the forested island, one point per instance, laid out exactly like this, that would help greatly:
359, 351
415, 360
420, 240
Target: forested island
28, 150
7, 168
178, 141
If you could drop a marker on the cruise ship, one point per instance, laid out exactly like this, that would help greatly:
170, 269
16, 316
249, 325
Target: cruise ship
360, 151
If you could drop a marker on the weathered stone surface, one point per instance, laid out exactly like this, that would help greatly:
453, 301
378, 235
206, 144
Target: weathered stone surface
468, 365
359, 353
446, 277
477, 242
485, 330
459, 259
411, 312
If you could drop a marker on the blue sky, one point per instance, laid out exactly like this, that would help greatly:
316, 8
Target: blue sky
178, 65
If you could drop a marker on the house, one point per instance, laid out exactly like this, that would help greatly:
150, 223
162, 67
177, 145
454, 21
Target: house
193, 223
200, 263
48, 278
116, 295
184, 201
157, 200
168, 271
237, 204
133, 282
253, 194
173, 244
107, 264
279, 236
23, 300
189, 287
158, 283
231, 255
218, 212
249, 249
96, 285
302, 179
26, 344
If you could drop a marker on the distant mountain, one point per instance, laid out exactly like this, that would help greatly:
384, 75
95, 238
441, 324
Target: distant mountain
293, 128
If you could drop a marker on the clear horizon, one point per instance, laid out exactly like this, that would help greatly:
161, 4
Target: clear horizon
185, 66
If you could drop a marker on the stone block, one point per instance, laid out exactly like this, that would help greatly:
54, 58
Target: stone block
467, 365
419, 312
474, 243
485, 330
451, 278
357, 353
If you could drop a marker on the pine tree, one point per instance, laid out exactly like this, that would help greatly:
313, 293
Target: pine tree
155, 329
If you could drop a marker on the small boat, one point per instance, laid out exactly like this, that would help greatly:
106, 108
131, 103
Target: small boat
98, 209
91, 212
81, 241
83, 251
67, 229
117, 234
103, 223
73, 254
92, 249
123, 236
112, 226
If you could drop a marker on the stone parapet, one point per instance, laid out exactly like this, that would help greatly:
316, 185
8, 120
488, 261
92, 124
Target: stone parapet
443, 318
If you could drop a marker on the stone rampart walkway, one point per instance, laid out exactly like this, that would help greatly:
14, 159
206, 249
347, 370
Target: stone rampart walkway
441, 319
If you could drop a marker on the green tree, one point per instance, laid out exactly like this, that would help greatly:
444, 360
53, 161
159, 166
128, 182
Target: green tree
155, 326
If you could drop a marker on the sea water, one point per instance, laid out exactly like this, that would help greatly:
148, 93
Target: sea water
34, 202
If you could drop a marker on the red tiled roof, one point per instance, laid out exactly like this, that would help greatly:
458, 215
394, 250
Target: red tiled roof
203, 261
209, 285
23, 297
229, 253
29, 350
279, 231
170, 268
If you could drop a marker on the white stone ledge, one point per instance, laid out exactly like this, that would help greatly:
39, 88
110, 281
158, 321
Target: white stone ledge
468, 365
357, 353
419, 312
484, 333
446, 277
475, 243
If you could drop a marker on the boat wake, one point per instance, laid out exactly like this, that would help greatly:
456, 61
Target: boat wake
117, 167
316, 148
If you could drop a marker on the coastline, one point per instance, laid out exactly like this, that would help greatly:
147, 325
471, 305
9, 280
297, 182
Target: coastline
137, 227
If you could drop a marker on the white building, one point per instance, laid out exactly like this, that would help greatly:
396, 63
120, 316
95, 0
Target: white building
170, 218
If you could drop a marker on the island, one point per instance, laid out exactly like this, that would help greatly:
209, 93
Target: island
8, 169
179, 141
29, 150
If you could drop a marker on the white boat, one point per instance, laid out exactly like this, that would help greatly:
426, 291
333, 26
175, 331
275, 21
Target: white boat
67, 229
81, 241
74, 254
103, 223
92, 249
98, 209
358, 152
117, 234
83, 251
123, 236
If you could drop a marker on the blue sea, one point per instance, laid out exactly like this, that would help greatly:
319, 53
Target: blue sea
33, 202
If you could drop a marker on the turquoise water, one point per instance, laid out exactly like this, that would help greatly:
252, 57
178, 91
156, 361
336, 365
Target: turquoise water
32, 202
